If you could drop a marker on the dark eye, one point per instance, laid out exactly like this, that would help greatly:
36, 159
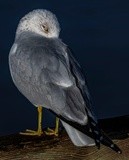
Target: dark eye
45, 28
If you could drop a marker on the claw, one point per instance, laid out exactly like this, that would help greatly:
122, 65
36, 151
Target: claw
29, 132
51, 132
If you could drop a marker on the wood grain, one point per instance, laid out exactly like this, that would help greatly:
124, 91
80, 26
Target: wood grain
17, 147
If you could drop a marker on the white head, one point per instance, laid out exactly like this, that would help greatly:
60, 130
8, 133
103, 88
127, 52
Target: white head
40, 21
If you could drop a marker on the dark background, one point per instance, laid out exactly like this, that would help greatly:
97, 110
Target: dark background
98, 33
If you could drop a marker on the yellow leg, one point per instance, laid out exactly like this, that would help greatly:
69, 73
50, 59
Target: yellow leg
40, 120
39, 132
55, 131
57, 126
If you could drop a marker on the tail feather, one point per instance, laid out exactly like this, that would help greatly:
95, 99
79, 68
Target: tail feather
95, 133
78, 138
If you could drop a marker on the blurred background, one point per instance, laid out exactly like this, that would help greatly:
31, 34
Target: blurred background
97, 32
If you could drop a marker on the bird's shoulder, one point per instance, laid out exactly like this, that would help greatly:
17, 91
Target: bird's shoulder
36, 40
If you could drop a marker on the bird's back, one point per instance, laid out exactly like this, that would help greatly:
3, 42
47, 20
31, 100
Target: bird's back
28, 58
40, 70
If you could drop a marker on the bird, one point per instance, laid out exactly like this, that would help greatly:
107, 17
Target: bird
45, 71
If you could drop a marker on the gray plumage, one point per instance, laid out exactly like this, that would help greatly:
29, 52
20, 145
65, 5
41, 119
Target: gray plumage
45, 79
40, 66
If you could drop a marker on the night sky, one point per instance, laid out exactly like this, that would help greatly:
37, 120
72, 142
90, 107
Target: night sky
97, 32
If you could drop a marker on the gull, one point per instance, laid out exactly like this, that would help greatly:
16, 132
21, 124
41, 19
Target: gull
45, 71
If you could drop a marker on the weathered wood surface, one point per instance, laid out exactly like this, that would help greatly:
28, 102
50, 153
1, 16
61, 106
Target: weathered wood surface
17, 147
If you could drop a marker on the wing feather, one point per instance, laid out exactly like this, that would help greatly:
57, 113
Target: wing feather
44, 69
47, 74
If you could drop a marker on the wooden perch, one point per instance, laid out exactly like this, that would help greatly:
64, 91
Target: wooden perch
19, 147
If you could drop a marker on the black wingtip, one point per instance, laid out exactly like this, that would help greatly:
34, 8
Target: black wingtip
98, 147
116, 148
120, 152
97, 142
97, 134
109, 143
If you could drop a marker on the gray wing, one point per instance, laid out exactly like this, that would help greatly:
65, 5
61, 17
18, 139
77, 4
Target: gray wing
45, 70
81, 83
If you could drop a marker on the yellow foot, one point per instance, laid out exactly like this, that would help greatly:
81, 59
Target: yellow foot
51, 132
29, 132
